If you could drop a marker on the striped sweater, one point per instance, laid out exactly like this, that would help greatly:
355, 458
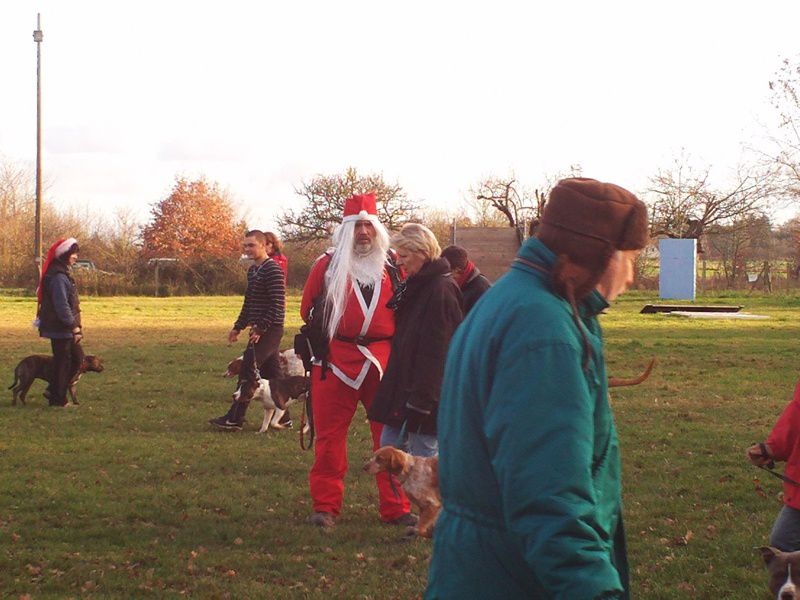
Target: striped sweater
265, 299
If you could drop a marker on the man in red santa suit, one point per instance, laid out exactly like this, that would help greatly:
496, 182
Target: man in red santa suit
356, 285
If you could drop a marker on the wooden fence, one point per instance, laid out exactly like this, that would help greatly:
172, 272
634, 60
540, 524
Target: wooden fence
491, 248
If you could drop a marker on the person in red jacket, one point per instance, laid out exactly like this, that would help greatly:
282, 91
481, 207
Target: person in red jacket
275, 252
351, 284
783, 444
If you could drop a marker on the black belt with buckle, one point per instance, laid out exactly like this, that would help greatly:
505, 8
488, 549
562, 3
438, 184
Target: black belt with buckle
360, 340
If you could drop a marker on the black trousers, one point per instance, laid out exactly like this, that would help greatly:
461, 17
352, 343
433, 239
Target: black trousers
269, 366
67, 358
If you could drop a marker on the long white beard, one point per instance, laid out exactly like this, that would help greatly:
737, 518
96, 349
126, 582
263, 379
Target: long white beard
348, 265
368, 269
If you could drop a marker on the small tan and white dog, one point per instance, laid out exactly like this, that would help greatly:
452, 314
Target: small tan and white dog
419, 477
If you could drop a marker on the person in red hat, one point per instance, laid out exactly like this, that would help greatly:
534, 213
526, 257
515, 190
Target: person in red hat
58, 317
347, 293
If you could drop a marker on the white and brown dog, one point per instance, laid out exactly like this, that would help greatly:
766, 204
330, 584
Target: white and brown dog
419, 477
275, 395
291, 365
784, 572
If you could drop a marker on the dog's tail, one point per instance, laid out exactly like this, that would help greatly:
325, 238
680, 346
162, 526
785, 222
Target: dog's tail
16, 381
619, 382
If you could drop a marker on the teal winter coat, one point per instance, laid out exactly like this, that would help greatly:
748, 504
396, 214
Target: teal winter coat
529, 464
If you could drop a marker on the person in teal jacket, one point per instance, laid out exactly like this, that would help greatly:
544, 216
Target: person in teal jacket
529, 464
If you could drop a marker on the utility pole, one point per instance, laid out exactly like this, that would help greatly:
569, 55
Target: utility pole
38, 36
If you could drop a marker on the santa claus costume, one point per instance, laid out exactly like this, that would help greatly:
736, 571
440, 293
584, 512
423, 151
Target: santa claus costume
357, 356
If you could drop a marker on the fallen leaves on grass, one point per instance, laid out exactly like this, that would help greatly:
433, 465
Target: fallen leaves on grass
683, 540
758, 489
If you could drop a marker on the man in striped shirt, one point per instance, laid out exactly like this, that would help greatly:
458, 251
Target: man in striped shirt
263, 311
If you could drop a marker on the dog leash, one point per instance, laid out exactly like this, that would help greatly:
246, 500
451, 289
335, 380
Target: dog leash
779, 475
401, 444
307, 412
771, 465
256, 371
311, 431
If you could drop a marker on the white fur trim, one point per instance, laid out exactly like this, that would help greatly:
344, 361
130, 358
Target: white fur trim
64, 246
353, 383
362, 216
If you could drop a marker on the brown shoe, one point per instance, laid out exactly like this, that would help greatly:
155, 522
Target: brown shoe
322, 519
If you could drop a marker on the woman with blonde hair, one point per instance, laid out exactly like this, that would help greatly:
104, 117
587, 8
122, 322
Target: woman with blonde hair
427, 311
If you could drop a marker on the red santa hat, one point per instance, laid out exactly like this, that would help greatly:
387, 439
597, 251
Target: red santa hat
57, 250
360, 207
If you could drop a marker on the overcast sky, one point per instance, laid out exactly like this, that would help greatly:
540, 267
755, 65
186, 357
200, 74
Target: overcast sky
435, 95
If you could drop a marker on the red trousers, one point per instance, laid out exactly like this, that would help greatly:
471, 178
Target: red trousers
334, 404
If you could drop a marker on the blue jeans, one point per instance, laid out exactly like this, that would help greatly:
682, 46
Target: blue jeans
786, 530
416, 444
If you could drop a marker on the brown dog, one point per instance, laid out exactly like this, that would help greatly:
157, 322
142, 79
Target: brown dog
419, 477
784, 572
40, 366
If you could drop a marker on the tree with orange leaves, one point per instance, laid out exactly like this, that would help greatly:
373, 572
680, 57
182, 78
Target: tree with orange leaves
197, 220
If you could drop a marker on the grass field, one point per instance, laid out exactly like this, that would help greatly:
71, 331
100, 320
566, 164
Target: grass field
132, 495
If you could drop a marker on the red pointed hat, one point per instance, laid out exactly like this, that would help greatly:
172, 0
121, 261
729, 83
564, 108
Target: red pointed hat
56, 250
360, 207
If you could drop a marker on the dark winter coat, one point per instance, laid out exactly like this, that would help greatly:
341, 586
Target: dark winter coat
529, 461
60, 311
474, 288
426, 317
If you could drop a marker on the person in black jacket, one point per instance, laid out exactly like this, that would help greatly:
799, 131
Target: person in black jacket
471, 281
263, 311
428, 310
58, 317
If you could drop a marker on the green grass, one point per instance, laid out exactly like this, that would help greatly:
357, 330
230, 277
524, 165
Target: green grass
131, 495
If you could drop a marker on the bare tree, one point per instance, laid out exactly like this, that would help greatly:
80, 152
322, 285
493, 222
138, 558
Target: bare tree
785, 89
116, 244
684, 204
325, 196
441, 222
16, 220
520, 207
749, 238
483, 212
507, 197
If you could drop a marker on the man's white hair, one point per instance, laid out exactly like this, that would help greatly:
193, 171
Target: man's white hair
351, 264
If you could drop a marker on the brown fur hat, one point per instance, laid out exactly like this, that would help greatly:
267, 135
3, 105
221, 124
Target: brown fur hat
584, 222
